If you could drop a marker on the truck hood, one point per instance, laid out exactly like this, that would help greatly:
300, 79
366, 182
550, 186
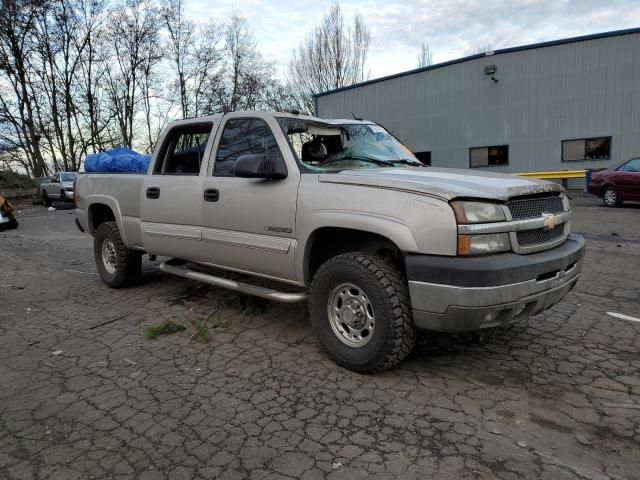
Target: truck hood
447, 183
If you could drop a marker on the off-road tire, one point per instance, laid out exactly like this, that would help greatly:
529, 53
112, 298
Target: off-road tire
45, 199
128, 262
394, 334
616, 198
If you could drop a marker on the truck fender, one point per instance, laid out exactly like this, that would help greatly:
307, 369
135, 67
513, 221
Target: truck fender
390, 228
112, 203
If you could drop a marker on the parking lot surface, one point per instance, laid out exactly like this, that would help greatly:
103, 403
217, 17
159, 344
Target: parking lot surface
83, 393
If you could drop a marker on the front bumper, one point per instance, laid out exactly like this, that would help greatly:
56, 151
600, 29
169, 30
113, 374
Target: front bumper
456, 294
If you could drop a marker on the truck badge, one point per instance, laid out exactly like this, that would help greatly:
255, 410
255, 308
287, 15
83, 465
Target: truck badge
269, 228
550, 221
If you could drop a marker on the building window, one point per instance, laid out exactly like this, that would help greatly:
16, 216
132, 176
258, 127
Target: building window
489, 156
586, 149
424, 157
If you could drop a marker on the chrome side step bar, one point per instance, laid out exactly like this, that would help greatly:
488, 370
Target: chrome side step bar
268, 293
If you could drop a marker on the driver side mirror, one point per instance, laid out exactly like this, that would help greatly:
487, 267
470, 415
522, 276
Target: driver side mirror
260, 166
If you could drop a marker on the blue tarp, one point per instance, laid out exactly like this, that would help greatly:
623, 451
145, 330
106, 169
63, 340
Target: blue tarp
117, 160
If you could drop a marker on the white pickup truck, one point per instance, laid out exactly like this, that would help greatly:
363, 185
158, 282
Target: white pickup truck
59, 187
338, 212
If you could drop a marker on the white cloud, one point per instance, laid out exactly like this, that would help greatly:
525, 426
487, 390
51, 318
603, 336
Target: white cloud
453, 28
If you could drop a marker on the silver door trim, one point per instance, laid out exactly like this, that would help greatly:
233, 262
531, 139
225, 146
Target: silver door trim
247, 240
172, 230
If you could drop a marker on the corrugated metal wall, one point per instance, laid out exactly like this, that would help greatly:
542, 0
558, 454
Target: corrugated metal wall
543, 96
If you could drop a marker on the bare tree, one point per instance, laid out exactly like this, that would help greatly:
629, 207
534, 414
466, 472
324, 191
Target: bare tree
333, 55
18, 112
481, 50
248, 74
134, 35
80, 76
196, 56
425, 57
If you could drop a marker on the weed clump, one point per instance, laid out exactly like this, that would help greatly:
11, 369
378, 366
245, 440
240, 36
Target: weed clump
165, 328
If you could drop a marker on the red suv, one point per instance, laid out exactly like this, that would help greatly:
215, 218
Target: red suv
618, 183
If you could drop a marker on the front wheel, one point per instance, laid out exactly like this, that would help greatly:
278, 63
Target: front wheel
360, 311
118, 265
63, 196
610, 197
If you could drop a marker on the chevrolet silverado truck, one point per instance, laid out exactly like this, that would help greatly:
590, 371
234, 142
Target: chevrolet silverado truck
337, 212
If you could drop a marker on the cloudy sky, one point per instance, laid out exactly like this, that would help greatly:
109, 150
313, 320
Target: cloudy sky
452, 28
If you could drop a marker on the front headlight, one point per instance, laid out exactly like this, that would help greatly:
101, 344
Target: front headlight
477, 212
468, 212
479, 244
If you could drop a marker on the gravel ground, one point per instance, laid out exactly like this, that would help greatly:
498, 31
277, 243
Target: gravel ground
83, 393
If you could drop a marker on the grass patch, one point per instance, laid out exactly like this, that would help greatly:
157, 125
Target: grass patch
201, 326
247, 305
165, 328
220, 322
201, 331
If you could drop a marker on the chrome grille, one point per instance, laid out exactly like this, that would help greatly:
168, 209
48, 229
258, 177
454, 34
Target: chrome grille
537, 236
528, 241
534, 207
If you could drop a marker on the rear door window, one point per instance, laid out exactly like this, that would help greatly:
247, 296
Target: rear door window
183, 150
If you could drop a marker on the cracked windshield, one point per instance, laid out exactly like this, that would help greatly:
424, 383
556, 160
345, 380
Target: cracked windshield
324, 147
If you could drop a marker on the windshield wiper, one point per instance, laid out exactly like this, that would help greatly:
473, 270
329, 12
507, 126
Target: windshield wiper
406, 161
360, 159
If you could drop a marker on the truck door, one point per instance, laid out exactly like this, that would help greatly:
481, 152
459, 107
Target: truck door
171, 197
249, 223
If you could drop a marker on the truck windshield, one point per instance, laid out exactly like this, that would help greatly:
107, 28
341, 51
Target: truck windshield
324, 147
67, 177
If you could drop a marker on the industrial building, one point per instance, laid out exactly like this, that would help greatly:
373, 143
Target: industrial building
563, 105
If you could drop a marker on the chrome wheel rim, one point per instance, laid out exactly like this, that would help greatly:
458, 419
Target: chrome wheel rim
109, 259
610, 197
351, 315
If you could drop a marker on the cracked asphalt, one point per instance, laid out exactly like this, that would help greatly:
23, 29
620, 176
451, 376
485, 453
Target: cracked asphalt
83, 393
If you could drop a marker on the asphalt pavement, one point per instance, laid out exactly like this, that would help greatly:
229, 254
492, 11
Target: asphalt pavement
84, 394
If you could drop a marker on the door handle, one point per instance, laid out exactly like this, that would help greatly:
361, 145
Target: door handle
211, 195
153, 193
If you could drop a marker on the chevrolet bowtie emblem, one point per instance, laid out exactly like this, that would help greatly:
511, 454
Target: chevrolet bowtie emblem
550, 221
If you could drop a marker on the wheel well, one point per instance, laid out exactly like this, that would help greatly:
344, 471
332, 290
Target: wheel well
99, 213
328, 242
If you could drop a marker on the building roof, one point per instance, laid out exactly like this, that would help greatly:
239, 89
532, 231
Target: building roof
563, 41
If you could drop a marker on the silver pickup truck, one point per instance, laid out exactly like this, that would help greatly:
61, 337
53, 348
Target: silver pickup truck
59, 187
338, 212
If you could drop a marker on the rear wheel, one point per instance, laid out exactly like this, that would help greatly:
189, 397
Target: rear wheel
610, 197
118, 265
45, 199
360, 311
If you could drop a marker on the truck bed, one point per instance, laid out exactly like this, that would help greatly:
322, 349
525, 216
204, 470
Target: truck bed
121, 192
